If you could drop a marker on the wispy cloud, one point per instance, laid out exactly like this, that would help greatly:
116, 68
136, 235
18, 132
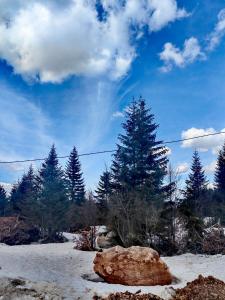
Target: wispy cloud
117, 114
182, 168
120, 114
23, 130
89, 109
210, 168
218, 33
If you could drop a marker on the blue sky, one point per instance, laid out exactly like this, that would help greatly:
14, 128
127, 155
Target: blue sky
68, 69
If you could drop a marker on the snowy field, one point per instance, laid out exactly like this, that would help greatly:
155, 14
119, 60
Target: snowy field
67, 268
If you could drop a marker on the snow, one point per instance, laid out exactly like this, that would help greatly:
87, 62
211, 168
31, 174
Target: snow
60, 264
102, 229
209, 221
71, 236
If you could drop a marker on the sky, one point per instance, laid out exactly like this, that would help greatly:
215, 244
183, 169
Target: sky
69, 68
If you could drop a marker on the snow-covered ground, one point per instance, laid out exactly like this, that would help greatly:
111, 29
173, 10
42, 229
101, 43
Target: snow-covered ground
68, 268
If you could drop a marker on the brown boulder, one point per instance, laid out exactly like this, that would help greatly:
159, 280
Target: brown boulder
132, 266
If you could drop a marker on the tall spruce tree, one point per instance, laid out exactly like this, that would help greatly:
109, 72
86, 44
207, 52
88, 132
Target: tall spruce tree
140, 159
220, 171
14, 199
191, 208
3, 201
23, 197
52, 197
75, 181
27, 192
196, 185
104, 190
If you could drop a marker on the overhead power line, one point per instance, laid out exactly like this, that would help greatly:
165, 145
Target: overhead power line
195, 137
111, 151
59, 157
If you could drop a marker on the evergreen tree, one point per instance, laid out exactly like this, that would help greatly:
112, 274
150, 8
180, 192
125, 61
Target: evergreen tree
168, 214
196, 185
3, 201
14, 199
140, 160
104, 190
220, 171
52, 197
27, 192
23, 196
74, 176
191, 208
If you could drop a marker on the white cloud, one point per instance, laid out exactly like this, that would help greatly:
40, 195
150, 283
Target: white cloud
213, 142
169, 151
182, 168
210, 168
50, 41
163, 12
118, 114
173, 56
218, 32
7, 187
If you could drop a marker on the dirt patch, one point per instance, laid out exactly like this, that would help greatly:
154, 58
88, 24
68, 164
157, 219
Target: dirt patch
14, 289
202, 288
129, 296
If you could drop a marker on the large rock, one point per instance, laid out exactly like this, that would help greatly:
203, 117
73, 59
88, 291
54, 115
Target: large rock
132, 266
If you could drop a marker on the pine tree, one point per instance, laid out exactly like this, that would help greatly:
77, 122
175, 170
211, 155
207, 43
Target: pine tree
52, 196
196, 185
74, 176
168, 214
191, 208
23, 196
28, 196
3, 201
220, 171
140, 159
104, 190
14, 199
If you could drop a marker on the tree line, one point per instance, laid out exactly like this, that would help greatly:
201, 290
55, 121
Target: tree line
137, 196
44, 198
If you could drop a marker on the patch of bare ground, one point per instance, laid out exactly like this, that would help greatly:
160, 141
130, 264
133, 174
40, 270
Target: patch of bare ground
18, 289
129, 296
202, 288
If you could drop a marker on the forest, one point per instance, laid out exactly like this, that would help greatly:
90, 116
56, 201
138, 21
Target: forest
138, 196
